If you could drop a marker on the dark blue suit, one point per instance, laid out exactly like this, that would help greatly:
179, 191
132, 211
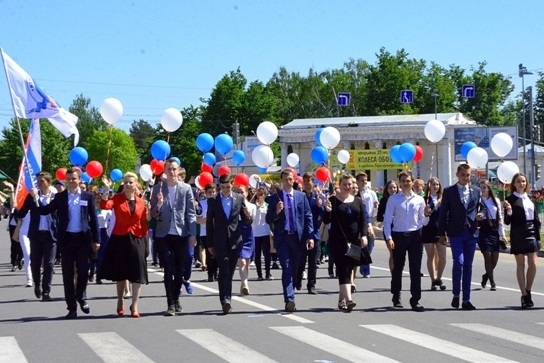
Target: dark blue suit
459, 222
290, 246
75, 247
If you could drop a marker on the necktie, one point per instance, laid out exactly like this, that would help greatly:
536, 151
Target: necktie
290, 213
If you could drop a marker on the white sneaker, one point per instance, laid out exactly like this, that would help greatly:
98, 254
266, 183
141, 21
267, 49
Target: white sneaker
29, 283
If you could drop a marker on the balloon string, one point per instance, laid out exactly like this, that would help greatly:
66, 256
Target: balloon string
168, 138
432, 164
109, 147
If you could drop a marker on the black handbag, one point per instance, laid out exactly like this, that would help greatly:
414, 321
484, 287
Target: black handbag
354, 251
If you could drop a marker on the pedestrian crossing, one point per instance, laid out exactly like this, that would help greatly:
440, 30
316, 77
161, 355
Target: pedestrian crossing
301, 343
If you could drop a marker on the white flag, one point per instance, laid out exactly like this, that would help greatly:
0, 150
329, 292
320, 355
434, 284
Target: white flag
31, 102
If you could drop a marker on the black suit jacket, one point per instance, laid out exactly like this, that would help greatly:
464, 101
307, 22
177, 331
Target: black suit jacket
89, 222
453, 216
29, 205
223, 233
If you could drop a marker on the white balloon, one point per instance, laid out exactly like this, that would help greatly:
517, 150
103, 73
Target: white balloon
254, 180
343, 156
477, 157
506, 171
197, 182
145, 172
111, 110
262, 156
329, 137
434, 130
501, 144
171, 119
292, 160
267, 132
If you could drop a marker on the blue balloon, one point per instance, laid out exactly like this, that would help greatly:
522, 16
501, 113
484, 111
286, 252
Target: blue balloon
261, 170
407, 152
86, 178
238, 157
317, 136
176, 159
204, 142
160, 150
394, 154
319, 155
223, 144
209, 159
78, 156
466, 147
116, 175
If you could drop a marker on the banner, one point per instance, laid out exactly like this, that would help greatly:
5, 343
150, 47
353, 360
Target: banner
373, 159
32, 165
31, 102
482, 136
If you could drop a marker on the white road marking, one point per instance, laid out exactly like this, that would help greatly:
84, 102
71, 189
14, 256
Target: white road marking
113, 349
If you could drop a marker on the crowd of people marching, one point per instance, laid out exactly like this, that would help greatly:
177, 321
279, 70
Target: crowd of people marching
99, 234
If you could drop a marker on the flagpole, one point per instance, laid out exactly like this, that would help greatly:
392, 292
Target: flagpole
25, 159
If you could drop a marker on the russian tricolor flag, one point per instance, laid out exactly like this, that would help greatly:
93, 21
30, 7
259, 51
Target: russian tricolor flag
33, 163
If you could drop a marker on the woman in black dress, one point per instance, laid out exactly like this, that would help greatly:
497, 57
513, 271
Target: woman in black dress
347, 217
522, 216
491, 224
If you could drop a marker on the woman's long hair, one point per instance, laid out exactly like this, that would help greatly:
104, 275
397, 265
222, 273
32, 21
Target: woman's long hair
487, 183
438, 192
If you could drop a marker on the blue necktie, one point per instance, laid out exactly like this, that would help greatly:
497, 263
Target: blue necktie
290, 213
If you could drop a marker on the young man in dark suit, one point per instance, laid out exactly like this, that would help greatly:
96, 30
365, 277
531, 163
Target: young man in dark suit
77, 236
457, 219
226, 212
290, 213
42, 233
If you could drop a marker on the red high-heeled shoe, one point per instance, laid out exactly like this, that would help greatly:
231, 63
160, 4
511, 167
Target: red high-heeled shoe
133, 313
120, 312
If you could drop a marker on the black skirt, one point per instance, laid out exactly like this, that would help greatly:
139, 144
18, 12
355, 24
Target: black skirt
523, 239
124, 259
488, 238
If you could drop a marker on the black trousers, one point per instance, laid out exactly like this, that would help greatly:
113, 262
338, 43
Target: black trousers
172, 253
311, 257
262, 246
43, 248
16, 252
226, 262
410, 242
76, 250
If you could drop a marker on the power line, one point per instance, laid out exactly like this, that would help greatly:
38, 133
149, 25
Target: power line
125, 84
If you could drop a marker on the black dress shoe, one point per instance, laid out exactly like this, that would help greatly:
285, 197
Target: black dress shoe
529, 299
37, 292
72, 314
397, 304
468, 306
290, 307
455, 302
91, 278
46, 297
311, 291
418, 308
227, 309
484, 280
84, 306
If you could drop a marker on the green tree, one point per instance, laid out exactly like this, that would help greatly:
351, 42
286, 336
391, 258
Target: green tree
89, 119
143, 135
113, 148
55, 147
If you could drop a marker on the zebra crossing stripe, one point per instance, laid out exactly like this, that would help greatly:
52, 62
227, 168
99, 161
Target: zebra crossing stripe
113, 349
332, 345
224, 347
10, 351
511, 336
439, 345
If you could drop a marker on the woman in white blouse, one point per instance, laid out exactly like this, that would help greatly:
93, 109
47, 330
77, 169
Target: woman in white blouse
522, 216
491, 235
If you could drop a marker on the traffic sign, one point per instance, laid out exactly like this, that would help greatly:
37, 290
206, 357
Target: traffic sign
407, 96
468, 91
343, 99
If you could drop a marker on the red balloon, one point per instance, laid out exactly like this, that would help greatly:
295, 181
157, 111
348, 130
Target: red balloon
94, 169
205, 179
419, 154
322, 174
157, 167
299, 179
241, 179
206, 168
223, 170
295, 174
61, 174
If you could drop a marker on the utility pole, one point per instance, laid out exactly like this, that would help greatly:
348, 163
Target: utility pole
522, 73
532, 121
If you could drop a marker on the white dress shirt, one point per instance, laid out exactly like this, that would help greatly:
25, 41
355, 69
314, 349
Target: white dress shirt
74, 210
492, 212
528, 206
404, 212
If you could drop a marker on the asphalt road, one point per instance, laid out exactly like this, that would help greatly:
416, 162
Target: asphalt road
259, 331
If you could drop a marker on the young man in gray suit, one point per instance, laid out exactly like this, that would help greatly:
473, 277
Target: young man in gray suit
226, 212
172, 204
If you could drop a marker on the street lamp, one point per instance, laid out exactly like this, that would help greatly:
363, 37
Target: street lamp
523, 72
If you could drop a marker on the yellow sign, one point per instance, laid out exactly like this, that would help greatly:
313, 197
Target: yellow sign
374, 159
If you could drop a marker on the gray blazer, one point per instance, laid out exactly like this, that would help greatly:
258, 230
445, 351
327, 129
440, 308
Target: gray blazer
183, 209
